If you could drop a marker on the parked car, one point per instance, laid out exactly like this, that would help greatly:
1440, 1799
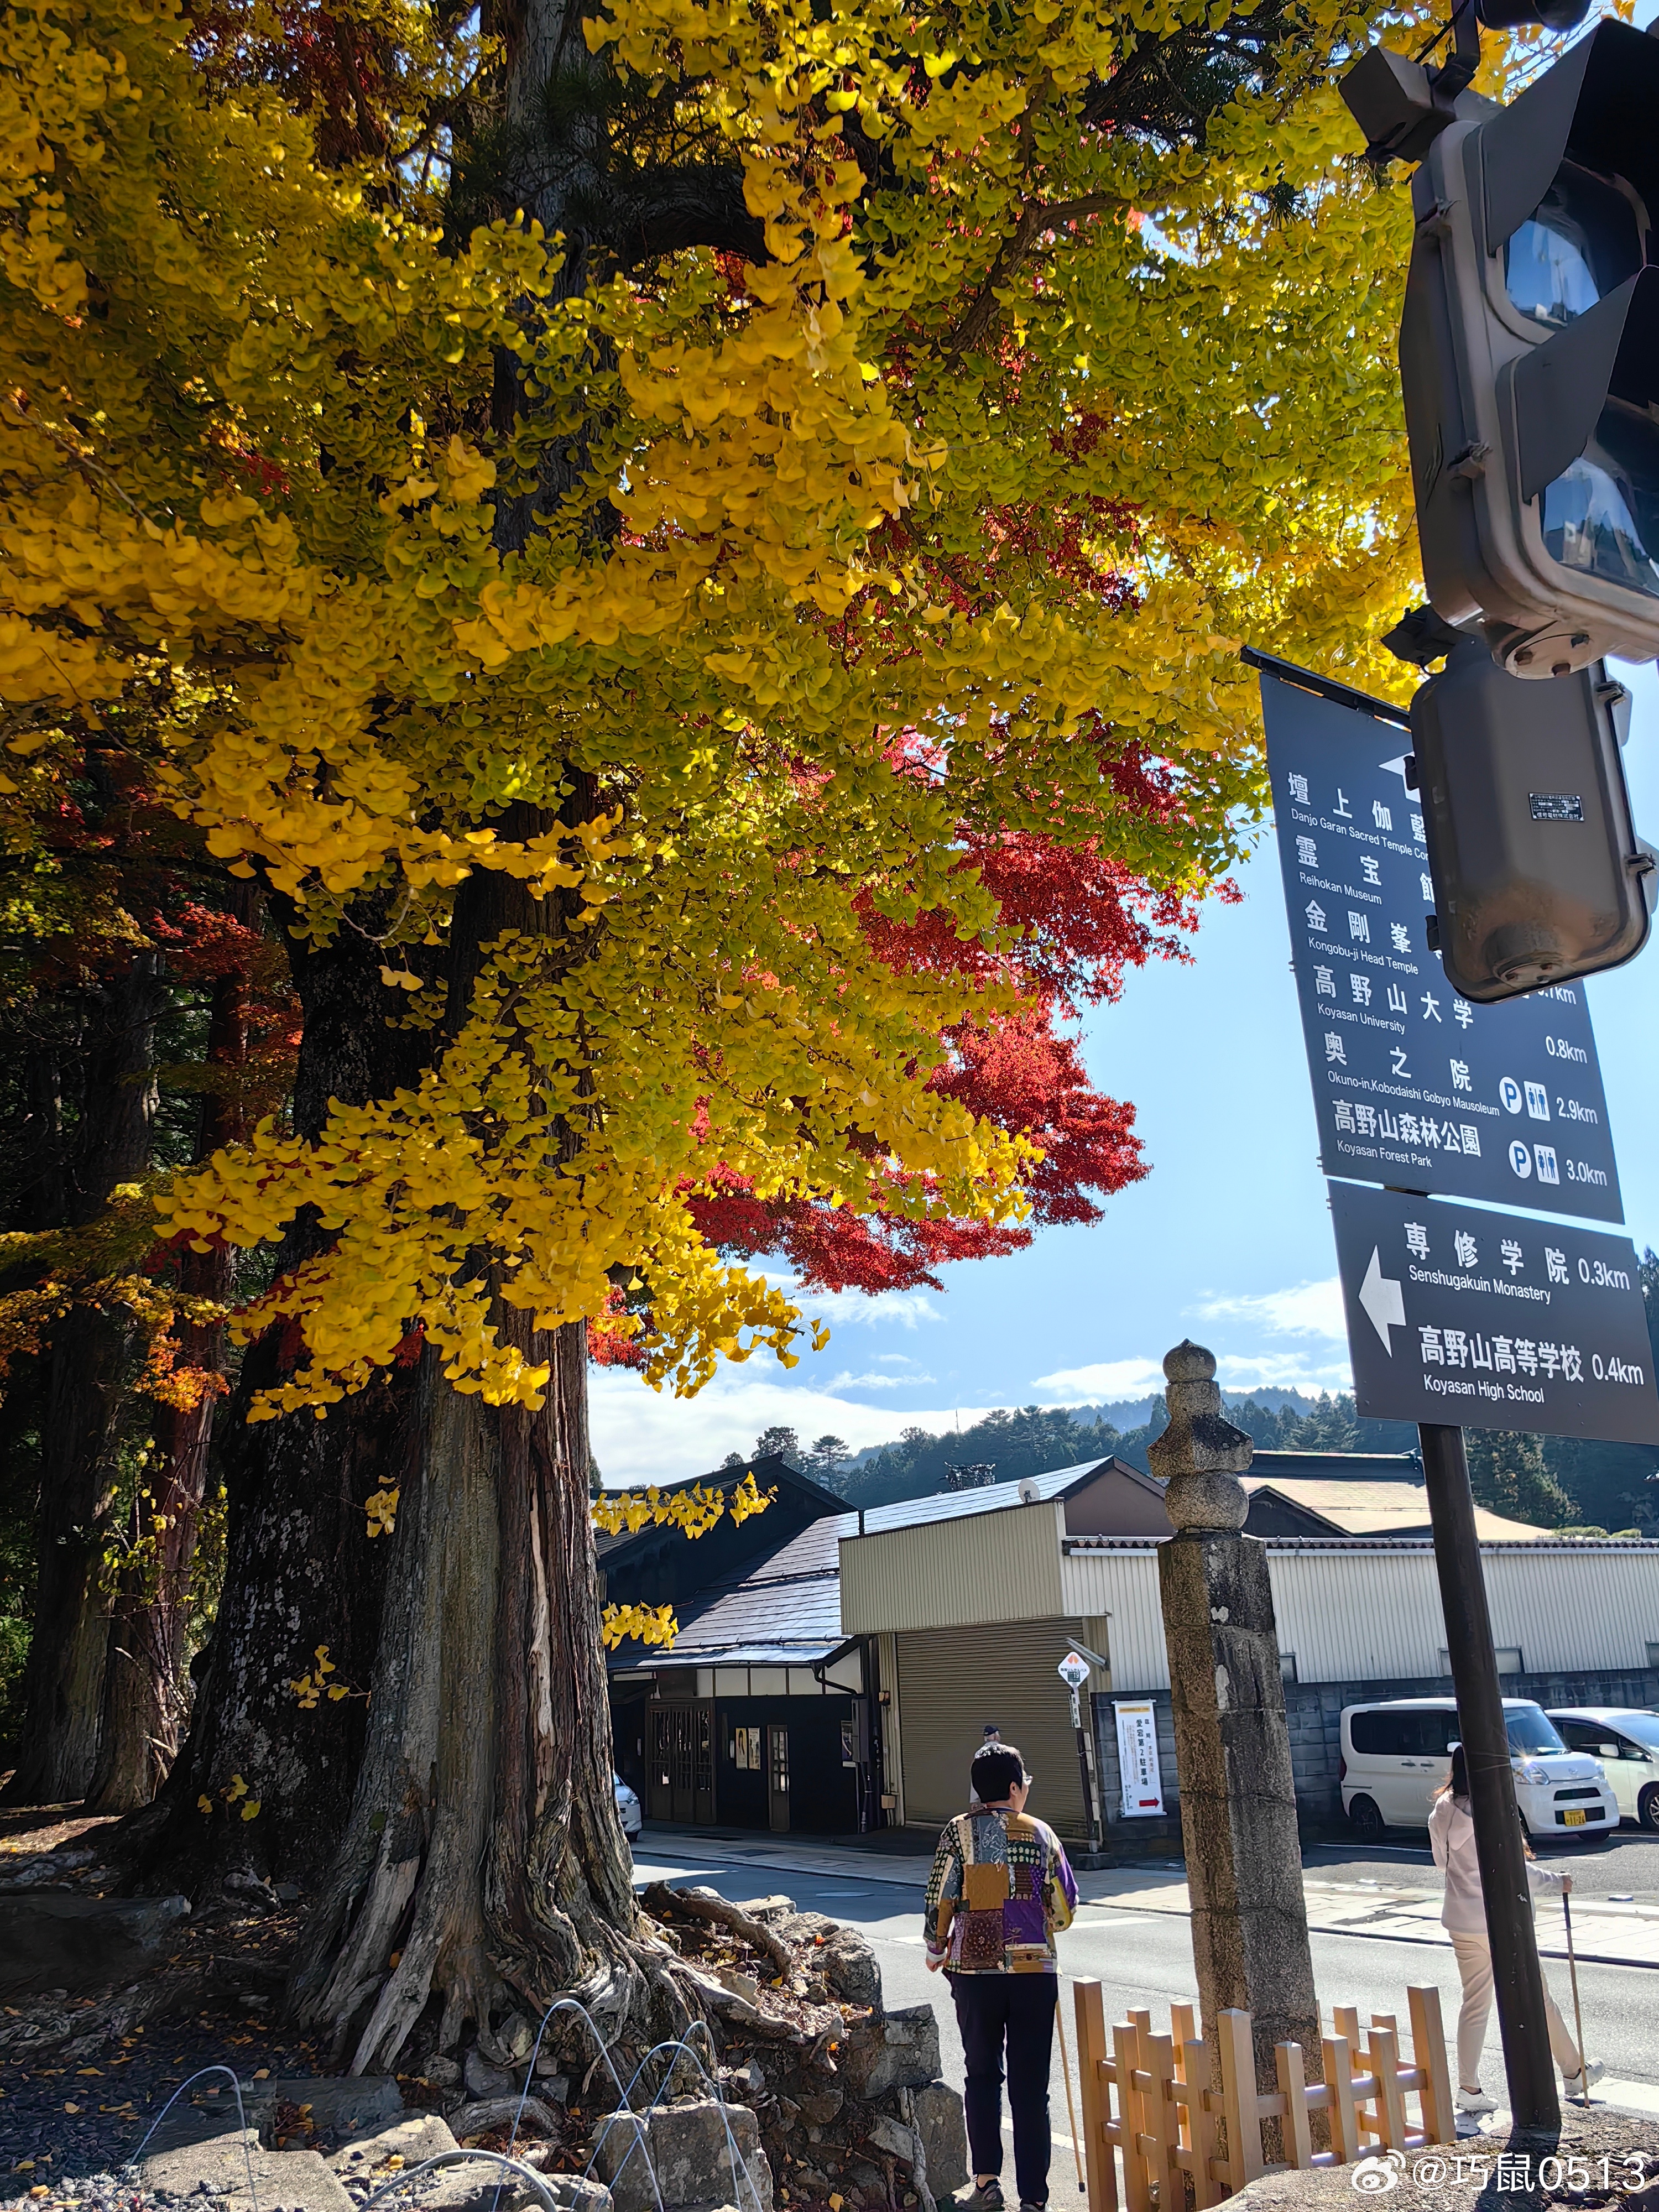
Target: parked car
1625, 1740
1396, 1756
630, 1811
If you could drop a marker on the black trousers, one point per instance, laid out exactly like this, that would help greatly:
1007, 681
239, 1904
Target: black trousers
1015, 2012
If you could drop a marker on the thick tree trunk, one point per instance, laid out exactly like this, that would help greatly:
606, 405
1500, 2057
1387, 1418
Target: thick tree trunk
88, 1392
147, 1681
302, 1568
483, 1852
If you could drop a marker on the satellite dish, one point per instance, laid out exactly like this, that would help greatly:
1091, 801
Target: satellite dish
1028, 1492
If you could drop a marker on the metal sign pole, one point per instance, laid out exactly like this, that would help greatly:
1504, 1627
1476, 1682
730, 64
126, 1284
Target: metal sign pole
1517, 1978
1090, 1820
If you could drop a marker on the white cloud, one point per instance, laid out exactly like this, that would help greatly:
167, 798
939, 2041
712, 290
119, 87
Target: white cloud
641, 1435
1106, 1379
1282, 1370
847, 1381
894, 1359
1307, 1309
904, 1309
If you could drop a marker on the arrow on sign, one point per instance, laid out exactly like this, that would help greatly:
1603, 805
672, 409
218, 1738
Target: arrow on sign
1383, 1300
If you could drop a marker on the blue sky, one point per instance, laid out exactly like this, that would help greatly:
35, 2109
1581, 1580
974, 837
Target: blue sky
1227, 1240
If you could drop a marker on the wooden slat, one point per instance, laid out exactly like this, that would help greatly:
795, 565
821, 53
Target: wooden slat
1429, 2056
1125, 2052
1298, 2137
1200, 2125
1100, 2165
1160, 2137
1339, 2100
1384, 2053
1238, 2097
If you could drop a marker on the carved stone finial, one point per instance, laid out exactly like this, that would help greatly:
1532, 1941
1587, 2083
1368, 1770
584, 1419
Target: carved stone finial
1190, 1362
1200, 1455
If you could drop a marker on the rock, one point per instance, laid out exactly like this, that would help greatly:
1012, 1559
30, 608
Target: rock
898, 2052
443, 2072
517, 2036
423, 2135
528, 2113
806, 1927
576, 2195
741, 1985
340, 2107
747, 2082
690, 2148
484, 2080
56, 1939
770, 1910
550, 2082
894, 2137
936, 2115
243, 2177
850, 1965
473, 2183
821, 2107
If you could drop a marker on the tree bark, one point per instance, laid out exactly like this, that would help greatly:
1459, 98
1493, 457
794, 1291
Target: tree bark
87, 1395
301, 1569
483, 1851
147, 1681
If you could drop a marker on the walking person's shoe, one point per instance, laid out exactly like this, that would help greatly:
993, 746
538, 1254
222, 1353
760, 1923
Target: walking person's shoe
985, 2197
1476, 2100
1576, 2085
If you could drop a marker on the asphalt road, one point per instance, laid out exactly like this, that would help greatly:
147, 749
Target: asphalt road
1144, 1958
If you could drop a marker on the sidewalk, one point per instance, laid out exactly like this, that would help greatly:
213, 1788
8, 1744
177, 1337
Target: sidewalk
1604, 1934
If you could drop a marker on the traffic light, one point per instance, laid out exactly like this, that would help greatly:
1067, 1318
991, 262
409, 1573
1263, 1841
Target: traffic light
1529, 345
1538, 875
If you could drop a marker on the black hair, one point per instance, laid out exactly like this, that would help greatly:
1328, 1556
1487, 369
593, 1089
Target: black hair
997, 1769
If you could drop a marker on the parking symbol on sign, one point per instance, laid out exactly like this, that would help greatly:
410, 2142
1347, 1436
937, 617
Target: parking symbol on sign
1521, 1158
1511, 1094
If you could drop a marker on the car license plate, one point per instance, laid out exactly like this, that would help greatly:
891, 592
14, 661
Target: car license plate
1574, 1819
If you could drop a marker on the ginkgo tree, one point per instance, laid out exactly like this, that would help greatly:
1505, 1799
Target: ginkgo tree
629, 542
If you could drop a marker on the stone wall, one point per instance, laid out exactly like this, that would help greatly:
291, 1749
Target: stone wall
1314, 1710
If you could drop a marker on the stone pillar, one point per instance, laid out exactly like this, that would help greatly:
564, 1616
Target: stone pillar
1232, 1741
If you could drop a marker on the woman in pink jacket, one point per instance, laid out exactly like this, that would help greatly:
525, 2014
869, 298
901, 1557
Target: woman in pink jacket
1463, 1915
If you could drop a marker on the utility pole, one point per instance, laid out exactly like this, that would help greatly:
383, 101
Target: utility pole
1518, 1977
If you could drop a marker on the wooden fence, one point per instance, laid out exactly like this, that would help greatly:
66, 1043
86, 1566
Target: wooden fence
1174, 2108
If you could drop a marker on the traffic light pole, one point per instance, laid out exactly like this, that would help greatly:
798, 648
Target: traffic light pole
1517, 1978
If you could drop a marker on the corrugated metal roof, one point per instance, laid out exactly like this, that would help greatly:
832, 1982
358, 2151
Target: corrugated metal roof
784, 1610
995, 1498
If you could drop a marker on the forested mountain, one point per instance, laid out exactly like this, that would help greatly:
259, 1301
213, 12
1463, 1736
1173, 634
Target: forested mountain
1555, 1482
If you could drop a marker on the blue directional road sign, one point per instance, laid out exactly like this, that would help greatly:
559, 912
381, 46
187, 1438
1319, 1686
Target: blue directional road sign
1492, 1321
1413, 1085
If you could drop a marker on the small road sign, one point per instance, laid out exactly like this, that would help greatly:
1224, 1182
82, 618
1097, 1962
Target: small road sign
1492, 1321
1073, 1671
1412, 1084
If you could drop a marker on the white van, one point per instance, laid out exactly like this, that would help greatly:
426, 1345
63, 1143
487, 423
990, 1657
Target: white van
1625, 1741
1396, 1756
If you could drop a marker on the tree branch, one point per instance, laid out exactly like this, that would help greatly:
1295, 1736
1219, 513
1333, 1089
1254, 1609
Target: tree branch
1036, 217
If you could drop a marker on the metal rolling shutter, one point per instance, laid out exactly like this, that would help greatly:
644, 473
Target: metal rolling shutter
952, 1681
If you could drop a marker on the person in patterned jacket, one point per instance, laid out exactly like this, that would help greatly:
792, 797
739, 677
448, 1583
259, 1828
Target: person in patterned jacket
1000, 1891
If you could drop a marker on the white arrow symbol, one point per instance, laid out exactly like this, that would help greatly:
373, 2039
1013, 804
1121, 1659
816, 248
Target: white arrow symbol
1383, 1300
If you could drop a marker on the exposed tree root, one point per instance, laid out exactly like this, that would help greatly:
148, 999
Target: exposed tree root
702, 1905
